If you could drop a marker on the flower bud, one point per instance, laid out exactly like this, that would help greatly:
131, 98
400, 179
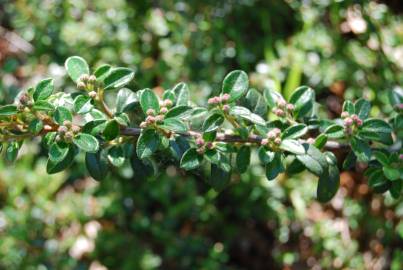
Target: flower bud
24, 98
75, 129
355, 117
209, 145
92, 79
225, 97
264, 141
143, 124
62, 130
200, 141
310, 140
150, 112
150, 119
277, 131
67, 123
226, 108
359, 122
84, 78
92, 94
344, 114
279, 112
68, 136
277, 140
210, 101
168, 103
159, 118
81, 85
217, 100
401, 156
348, 121
271, 135
290, 107
164, 110
281, 103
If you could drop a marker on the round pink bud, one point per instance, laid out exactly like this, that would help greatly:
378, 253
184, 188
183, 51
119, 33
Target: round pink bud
168, 103
355, 117
217, 100
67, 123
200, 150
271, 135
81, 85
69, 135
159, 118
344, 114
92, 78
92, 94
279, 112
164, 110
310, 140
150, 112
225, 97
62, 130
143, 124
84, 78
290, 107
199, 141
359, 122
264, 142
277, 140
281, 103
401, 156
210, 101
348, 121
210, 145
150, 119
75, 129
226, 108
277, 131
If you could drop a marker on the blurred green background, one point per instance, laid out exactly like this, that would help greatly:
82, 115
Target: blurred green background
342, 49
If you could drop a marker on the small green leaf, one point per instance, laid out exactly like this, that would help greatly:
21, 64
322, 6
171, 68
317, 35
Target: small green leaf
362, 108
320, 141
147, 143
43, 89
43, 105
275, 167
376, 126
265, 156
334, 131
328, 184
8, 110
271, 97
243, 158
219, 178
212, 122
181, 91
149, 100
82, 104
125, 99
191, 159
118, 77
12, 151
361, 149
58, 151
62, 164
86, 142
376, 179
348, 106
292, 146
76, 66
313, 160
35, 126
102, 72
295, 131
350, 160
116, 155
255, 102
97, 165
396, 189
391, 173
174, 124
62, 114
142, 168
303, 99
181, 111
244, 113
236, 84
381, 157
111, 130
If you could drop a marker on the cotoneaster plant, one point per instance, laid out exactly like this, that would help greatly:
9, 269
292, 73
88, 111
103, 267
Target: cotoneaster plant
141, 127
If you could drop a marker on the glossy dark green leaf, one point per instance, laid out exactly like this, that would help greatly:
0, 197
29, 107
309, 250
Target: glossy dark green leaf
275, 167
97, 165
236, 84
82, 104
362, 108
212, 122
361, 149
381, 158
62, 114
391, 173
181, 91
142, 168
12, 151
255, 102
60, 165
376, 126
43, 105
174, 124
147, 143
102, 72
313, 160
395, 189
292, 146
191, 159
303, 99
111, 130
35, 126
243, 158
58, 151
294, 131
125, 99
116, 155
76, 66
348, 106
181, 111
86, 142
349, 161
265, 156
328, 184
219, 178
244, 113
118, 77
320, 141
8, 110
149, 100
334, 131
272, 97
43, 89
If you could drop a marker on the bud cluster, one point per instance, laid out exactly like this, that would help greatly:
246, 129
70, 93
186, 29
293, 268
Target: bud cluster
273, 138
67, 131
87, 82
153, 118
202, 145
223, 100
24, 101
351, 122
283, 108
